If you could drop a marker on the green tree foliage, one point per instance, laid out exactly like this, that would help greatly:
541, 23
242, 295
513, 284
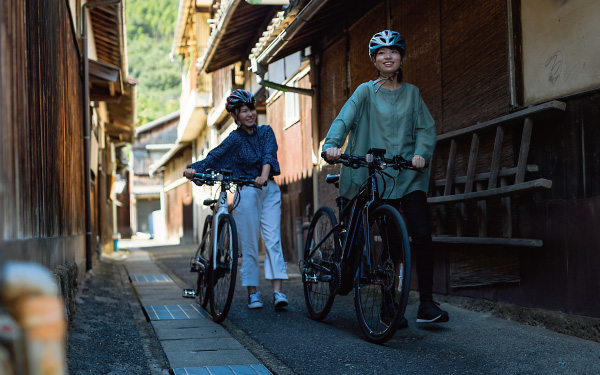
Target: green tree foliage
150, 28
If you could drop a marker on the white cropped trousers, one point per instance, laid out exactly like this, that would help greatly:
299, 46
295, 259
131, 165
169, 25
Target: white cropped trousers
259, 213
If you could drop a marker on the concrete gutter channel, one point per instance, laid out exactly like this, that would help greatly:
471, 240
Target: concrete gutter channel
191, 342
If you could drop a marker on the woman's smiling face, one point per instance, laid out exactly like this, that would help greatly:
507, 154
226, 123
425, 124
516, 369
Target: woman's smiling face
246, 117
388, 60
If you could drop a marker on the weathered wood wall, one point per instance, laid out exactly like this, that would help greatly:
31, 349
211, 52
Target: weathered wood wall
42, 197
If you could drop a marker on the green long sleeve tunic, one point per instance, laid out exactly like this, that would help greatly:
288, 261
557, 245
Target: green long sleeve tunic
397, 121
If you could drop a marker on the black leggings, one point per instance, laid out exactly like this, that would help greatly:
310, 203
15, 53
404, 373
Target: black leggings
414, 207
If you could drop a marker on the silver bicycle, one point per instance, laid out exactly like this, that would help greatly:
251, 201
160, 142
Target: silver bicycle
216, 258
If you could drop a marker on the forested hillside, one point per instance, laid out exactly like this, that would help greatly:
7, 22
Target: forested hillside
150, 28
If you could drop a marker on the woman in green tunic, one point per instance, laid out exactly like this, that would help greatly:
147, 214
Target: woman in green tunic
390, 114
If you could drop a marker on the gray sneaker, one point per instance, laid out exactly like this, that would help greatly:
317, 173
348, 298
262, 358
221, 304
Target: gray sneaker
254, 301
279, 300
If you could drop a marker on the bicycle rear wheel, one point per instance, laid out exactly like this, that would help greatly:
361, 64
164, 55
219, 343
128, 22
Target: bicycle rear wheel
224, 275
199, 263
382, 285
320, 271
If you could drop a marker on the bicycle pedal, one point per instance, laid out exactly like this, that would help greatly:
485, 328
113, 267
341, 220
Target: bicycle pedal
189, 293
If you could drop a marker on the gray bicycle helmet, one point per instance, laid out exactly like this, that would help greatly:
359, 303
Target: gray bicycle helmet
387, 38
239, 98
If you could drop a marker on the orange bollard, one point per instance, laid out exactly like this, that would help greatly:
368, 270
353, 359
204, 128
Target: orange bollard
30, 294
42, 320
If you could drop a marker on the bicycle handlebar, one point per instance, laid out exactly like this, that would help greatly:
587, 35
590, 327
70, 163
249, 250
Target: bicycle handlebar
210, 179
356, 161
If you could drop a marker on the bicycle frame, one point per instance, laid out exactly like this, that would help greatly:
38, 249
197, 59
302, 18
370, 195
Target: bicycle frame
220, 209
370, 196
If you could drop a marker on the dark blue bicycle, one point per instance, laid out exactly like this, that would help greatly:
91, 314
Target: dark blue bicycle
368, 251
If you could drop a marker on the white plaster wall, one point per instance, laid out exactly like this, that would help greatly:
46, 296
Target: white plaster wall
561, 47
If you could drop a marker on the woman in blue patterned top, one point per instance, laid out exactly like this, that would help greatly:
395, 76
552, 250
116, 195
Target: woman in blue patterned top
251, 151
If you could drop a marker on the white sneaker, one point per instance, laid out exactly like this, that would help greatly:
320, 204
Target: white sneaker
254, 301
279, 300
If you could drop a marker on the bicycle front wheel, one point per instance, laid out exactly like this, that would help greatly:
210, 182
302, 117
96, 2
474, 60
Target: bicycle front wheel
382, 284
223, 276
201, 258
200, 262
320, 271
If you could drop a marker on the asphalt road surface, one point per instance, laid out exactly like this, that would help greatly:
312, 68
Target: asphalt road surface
470, 343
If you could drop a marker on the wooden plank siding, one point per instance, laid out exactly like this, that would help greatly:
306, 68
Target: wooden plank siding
41, 113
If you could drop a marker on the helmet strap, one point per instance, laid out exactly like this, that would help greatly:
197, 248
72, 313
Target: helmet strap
383, 79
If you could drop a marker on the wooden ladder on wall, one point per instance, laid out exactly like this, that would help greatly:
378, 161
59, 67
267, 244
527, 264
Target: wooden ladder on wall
496, 183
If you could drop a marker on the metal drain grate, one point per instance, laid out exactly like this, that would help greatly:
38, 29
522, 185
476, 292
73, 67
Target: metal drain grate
175, 312
151, 279
223, 370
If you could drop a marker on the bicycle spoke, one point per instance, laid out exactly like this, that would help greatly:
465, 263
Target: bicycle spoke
224, 275
320, 274
381, 288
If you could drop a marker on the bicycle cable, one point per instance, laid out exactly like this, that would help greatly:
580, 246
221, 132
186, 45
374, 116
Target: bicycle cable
236, 199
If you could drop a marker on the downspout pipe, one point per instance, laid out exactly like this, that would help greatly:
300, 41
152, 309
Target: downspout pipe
284, 88
87, 130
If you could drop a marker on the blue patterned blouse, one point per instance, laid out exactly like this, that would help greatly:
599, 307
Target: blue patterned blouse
243, 153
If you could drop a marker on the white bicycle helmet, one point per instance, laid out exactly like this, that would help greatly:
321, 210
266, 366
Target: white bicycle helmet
387, 38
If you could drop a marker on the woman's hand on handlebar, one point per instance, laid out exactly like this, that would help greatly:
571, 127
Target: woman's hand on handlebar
333, 155
418, 161
189, 173
260, 181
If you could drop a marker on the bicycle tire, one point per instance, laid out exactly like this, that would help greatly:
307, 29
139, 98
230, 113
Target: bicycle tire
203, 256
382, 283
320, 287
224, 276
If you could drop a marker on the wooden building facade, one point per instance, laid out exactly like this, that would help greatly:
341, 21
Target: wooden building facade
48, 134
147, 203
42, 179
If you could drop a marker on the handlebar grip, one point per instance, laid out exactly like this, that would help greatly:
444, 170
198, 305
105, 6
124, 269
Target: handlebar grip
342, 157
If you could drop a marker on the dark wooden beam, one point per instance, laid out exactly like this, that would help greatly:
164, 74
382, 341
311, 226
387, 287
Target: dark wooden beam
549, 107
540, 183
524, 242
